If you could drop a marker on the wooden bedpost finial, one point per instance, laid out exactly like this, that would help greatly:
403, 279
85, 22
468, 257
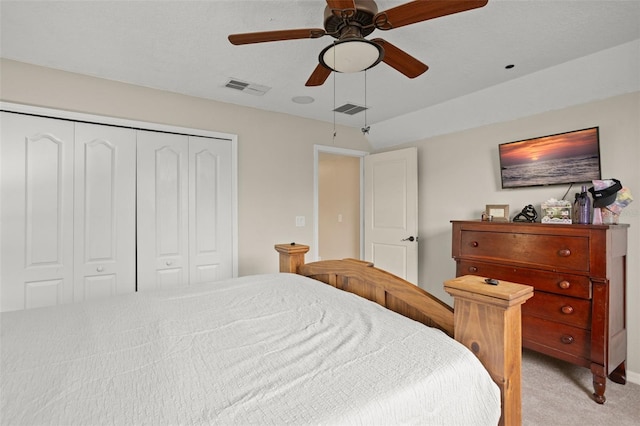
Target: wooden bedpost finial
291, 256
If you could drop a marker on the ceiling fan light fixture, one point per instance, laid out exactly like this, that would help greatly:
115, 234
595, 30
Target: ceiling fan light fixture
351, 55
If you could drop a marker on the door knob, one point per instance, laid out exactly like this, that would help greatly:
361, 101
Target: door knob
411, 238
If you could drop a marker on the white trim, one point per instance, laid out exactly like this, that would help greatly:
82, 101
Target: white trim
113, 121
317, 149
633, 377
143, 125
234, 201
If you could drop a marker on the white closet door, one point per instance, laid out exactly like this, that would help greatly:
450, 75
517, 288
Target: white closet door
105, 197
36, 229
162, 210
210, 210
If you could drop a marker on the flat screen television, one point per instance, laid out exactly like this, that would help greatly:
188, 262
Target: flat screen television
563, 158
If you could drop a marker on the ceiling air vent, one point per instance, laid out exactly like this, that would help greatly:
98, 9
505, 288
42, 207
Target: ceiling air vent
243, 86
350, 109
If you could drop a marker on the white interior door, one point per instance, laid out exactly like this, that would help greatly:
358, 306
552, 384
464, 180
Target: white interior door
391, 212
210, 210
162, 210
105, 222
36, 230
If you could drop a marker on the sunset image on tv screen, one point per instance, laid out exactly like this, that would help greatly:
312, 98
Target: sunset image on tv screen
550, 160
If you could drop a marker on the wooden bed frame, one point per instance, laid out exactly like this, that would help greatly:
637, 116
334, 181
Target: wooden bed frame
485, 318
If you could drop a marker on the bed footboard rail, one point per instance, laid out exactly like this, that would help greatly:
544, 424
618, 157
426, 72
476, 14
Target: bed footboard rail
363, 279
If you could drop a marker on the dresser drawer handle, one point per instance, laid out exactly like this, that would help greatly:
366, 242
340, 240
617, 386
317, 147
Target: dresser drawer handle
474, 244
566, 309
564, 253
566, 339
564, 284
473, 269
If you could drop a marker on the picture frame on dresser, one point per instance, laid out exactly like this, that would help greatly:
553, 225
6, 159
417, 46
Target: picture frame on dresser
498, 212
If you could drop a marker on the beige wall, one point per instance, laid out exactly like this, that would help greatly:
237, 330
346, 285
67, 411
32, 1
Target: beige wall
275, 151
459, 174
339, 206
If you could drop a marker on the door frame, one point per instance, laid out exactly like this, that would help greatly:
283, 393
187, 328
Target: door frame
143, 125
317, 149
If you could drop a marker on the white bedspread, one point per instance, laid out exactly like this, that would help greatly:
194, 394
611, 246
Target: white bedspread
270, 349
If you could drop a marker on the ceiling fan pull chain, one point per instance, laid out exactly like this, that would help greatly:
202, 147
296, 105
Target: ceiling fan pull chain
334, 97
365, 129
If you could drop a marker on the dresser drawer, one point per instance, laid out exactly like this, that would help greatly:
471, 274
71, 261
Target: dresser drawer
541, 280
554, 251
561, 337
562, 309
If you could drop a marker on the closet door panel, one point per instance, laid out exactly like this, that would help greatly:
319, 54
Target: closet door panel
98, 286
162, 210
37, 211
210, 209
104, 211
42, 293
170, 277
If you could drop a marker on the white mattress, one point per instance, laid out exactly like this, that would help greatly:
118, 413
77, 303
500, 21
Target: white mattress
268, 349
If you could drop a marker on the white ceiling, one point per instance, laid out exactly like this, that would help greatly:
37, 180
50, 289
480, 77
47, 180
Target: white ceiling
182, 46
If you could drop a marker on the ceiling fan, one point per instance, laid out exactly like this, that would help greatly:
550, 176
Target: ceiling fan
350, 21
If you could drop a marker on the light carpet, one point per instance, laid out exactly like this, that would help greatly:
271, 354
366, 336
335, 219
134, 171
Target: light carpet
558, 393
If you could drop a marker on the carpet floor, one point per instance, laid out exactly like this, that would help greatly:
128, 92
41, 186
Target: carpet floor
555, 392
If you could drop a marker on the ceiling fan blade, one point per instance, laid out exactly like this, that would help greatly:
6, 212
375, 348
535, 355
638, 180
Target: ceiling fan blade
264, 36
318, 76
401, 60
422, 10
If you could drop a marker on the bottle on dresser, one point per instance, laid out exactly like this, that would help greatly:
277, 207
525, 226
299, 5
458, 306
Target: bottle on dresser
582, 207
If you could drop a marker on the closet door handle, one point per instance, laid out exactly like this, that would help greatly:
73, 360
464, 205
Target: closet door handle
168, 263
99, 269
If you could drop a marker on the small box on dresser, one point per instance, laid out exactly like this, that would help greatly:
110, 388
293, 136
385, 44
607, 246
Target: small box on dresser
578, 273
554, 211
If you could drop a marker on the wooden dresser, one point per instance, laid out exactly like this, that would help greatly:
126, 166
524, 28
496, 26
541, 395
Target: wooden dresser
578, 273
